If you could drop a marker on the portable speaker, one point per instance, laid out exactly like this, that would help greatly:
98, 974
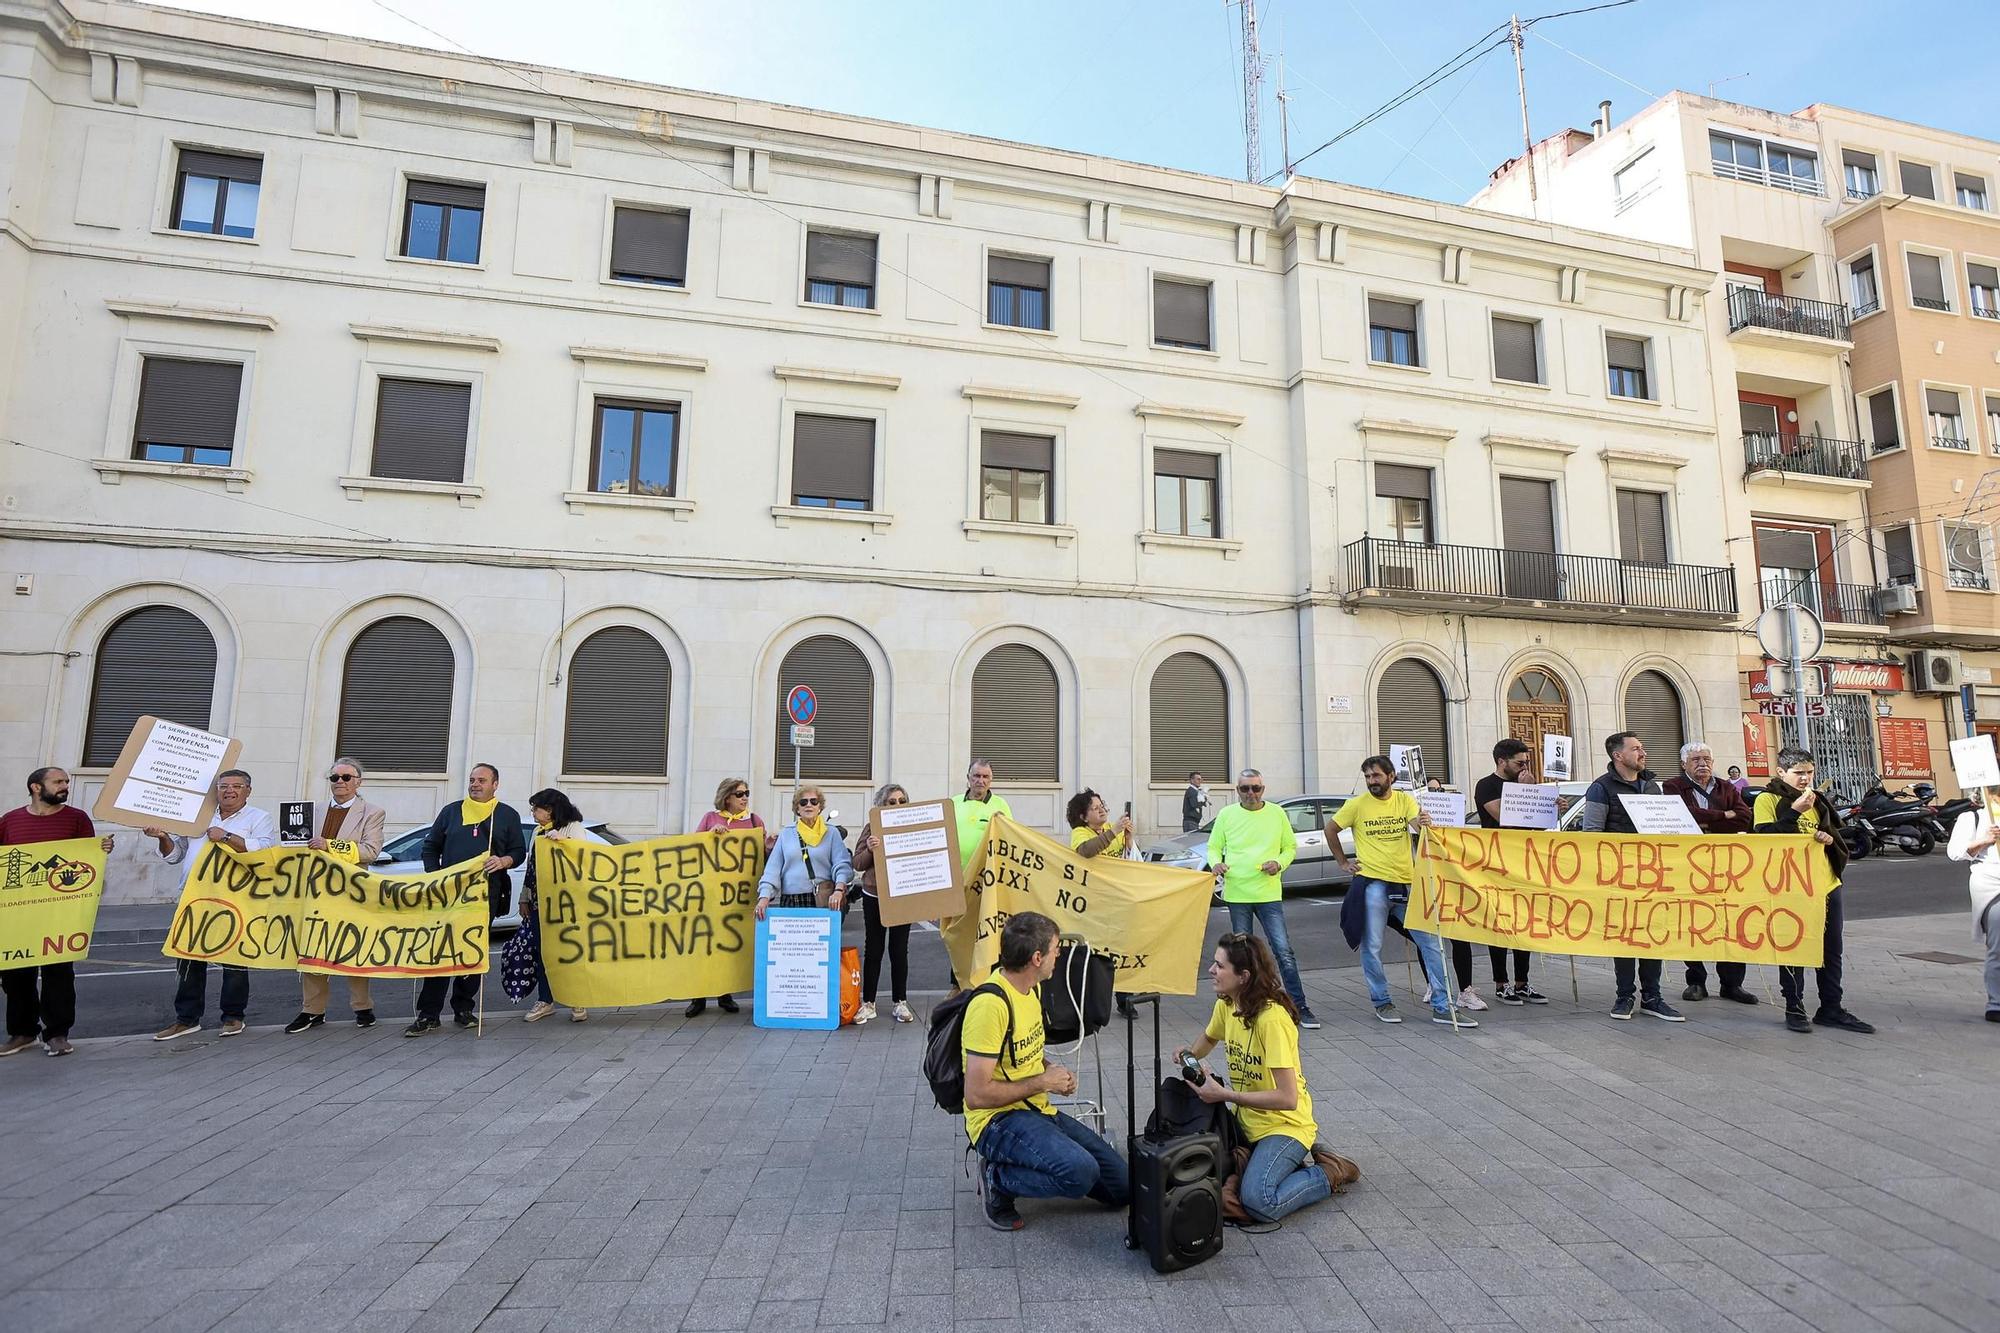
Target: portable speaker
1177, 1199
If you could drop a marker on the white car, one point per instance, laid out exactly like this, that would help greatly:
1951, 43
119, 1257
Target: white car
1311, 868
404, 855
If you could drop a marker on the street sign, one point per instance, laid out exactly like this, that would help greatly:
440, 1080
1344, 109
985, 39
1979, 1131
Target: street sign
1788, 708
802, 737
801, 704
1812, 677
1788, 630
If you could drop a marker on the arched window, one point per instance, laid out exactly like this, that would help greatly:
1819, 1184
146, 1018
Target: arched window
1410, 710
1536, 707
158, 660
395, 697
1014, 714
844, 729
1190, 719
1653, 709
615, 721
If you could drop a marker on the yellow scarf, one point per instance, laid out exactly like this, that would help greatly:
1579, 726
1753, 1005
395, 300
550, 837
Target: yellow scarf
540, 827
811, 835
471, 812
728, 818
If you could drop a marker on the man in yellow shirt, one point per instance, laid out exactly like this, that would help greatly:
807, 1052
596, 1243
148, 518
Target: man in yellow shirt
1027, 1148
973, 812
1249, 847
1381, 819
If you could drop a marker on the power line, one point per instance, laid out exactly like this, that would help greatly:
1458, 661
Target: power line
1478, 159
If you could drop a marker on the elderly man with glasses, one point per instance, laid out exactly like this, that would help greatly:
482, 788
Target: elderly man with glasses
352, 832
1718, 807
1249, 847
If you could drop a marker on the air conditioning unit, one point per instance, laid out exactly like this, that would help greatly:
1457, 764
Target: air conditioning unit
1899, 599
1936, 671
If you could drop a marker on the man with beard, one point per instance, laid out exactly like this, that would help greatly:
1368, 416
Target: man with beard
1510, 764
1381, 819
1604, 812
479, 824
48, 1011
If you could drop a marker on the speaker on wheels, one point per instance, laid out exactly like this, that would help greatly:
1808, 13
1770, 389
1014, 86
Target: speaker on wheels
1176, 1199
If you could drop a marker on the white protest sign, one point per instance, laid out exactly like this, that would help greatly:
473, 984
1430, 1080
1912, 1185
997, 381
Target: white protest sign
798, 958
1973, 762
1446, 808
1555, 758
1528, 805
1409, 764
1659, 814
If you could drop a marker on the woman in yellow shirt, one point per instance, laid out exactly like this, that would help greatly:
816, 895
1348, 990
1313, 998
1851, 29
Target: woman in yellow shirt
1091, 832
1255, 1021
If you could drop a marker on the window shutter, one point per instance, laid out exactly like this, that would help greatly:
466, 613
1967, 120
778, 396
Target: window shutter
1941, 402
1514, 351
1015, 704
395, 697
834, 457
831, 258
1184, 463
1004, 448
1642, 527
1410, 710
1882, 418
1189, 718
1863, 264
1625, 353
615, 722
1527, 514
1406, 483
1983, 275
1385, 314
1786, 548
444, 192
1926, 278
420, 430
1018, 272
229, 166
1653, 709
844, 727
158, 660
1180, 313
1973, 184
649, 244
190, 403
1899, 555
1854, 158
1916, 179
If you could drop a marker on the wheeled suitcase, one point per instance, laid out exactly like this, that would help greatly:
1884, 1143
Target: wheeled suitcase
1176, 1213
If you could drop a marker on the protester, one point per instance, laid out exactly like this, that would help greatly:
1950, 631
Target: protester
731, 815
1433, 784
1603, 812
1381, 819
557, 819
1718, 809
1790, 803
1027, 1148
352, 832
1091, 832
809, 866
896, 939
1194, 803
1511, 758
1253, 1021
1738, 781
1249, 847
972, 811
241, 827
41, 1000
1972, 839
479, 825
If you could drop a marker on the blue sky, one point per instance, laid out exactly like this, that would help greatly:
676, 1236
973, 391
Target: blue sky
1157, 80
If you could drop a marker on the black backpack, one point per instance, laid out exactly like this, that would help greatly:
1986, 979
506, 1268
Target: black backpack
1076, 1001
944, 1047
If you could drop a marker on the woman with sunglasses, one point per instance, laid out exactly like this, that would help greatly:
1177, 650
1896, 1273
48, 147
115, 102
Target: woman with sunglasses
896, 938
731, 814
556, 817
809, 866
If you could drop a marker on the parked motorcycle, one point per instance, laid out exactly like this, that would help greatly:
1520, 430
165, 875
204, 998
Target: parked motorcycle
1943, 814
1897, 820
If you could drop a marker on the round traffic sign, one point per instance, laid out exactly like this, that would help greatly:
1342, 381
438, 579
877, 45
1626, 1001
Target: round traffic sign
1786, 630
802, 704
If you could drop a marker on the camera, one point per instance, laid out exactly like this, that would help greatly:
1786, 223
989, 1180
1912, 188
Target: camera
1193, 1070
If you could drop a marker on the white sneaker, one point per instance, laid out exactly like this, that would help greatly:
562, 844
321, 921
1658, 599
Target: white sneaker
867, 1014
541, 1010
903, 1014
1469, 999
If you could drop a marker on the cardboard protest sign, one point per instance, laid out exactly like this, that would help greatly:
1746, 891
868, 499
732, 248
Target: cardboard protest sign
1731, 900
165, 777
1148, 917
916, 862
291, 907
1446, 808
49, 893
798, 969
666, 919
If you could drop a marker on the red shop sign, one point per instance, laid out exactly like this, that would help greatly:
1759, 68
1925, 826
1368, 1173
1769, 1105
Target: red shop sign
1873, 677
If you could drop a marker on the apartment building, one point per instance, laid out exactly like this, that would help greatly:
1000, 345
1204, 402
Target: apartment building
1849, 493
374, 401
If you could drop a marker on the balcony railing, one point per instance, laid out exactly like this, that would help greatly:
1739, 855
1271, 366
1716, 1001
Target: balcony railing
1985, 311
1930, 303
1968, 578
1808, 454
1836, 603
1753, 309
1957, 443
1857, 193
1387, 567
1780, 180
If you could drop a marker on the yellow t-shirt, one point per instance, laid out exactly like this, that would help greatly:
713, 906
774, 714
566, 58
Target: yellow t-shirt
1084, 833
1255, 1049
985, 1033
1381, 834
1770, 807
973, 817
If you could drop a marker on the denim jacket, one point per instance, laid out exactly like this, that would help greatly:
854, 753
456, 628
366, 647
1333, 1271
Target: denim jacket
793, 867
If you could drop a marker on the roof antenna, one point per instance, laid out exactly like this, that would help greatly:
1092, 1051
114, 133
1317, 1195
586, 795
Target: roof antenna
1253, 92
1713, 84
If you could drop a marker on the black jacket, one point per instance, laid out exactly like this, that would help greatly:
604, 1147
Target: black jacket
451, 840
1606, 791
1788, 821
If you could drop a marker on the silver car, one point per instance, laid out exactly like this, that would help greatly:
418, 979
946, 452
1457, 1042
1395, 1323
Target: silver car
1311, 869
404, 855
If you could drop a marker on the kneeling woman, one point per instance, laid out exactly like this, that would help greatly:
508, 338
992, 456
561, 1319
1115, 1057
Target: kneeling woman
1255, 1021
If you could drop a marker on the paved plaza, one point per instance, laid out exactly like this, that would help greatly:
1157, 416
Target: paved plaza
1552, 1171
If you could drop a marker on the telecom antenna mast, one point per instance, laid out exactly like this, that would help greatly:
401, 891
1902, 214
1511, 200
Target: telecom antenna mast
1253, 93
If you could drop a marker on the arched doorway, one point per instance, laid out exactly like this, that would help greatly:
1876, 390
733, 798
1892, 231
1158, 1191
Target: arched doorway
1537, 706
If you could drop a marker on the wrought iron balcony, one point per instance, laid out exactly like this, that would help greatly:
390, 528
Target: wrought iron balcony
1810, 455
1577, 585
1836, 603
1753, 309
1931, 303
1957, 443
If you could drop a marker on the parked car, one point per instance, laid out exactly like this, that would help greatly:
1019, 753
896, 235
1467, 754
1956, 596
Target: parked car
404, 855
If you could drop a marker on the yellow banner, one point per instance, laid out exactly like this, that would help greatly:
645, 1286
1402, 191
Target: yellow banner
668, 919
49, 893
1758, 899
292, 907
1148, 917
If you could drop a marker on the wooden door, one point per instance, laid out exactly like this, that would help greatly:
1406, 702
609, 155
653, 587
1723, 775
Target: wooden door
1537, 707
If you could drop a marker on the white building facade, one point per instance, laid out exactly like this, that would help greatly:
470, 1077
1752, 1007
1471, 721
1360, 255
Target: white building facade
375, 401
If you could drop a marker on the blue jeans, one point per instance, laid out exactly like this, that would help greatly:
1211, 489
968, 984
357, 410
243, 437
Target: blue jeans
1040, 1156
189, 993
1281, 1178
1271, 916
1386, 900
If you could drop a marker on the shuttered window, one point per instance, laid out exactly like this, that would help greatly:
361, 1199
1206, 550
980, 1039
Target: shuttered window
1392, 332
1917, 180
615, 723
649, 246
833, 462
1786, 548
840, 270
1514, 354
1899, 555
1984, 280
843, 746
1882, 420
157, 661
1016, 475
1653, 709
1527, 514
216, 193
395, 697
442, 220
1015, 707
1180, 314
1626, 358
1927, 282
1017, 292
1189, 718
1642, 527
1410, 710
187, 411
420, 430
1185, 493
